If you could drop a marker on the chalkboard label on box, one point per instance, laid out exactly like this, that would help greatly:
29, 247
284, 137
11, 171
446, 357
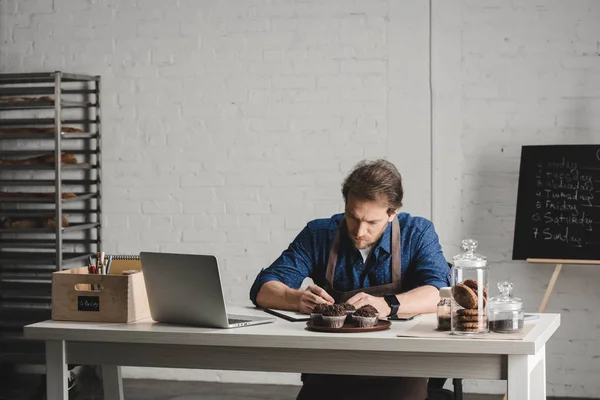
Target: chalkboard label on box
88, 303
558, 203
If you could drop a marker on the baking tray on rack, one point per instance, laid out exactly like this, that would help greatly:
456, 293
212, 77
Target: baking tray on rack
47, 182
71, 228
41, 243
44, 167
47, 135
46, 199
47, 212
17, 154
39, 258
44, 77
39, 90
41, 105
44, 121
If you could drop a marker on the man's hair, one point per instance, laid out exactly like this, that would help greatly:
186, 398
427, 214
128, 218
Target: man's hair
374, 181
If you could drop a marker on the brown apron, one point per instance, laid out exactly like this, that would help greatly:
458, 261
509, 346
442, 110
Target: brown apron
350, 387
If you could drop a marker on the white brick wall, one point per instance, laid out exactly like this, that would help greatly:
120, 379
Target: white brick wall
229, 124
508, 74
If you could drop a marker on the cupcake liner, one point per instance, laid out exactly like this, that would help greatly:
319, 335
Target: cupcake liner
364, 322
334, 321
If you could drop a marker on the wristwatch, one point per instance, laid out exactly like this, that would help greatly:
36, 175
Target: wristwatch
393, 302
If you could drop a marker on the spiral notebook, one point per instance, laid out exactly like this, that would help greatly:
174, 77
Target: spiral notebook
123, 262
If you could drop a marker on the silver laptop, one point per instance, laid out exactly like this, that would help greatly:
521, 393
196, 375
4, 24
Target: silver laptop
186, 289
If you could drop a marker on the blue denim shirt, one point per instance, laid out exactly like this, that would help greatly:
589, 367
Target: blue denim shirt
421, 258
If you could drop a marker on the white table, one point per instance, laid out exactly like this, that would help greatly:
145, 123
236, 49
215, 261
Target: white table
288, 347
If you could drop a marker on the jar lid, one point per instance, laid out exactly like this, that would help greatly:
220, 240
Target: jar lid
445, 292
468, 258
505, 301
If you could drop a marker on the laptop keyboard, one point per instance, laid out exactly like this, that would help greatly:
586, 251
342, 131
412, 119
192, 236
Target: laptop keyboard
237, 321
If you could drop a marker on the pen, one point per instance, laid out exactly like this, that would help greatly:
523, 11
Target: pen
108, 265
93, 271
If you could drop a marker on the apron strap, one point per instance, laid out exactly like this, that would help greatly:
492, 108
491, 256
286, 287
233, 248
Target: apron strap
333, 254
396, 262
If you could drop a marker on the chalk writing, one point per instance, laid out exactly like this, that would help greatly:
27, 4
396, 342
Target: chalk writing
88, 303
558, 210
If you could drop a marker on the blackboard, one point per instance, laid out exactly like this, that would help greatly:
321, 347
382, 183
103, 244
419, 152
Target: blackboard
558, 203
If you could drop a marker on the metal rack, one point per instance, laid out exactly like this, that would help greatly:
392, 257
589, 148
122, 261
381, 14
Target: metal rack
31, 125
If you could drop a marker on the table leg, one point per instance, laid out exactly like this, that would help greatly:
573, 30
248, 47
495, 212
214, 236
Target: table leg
527, 376
56, 370
519, 383
112, 382
538, 376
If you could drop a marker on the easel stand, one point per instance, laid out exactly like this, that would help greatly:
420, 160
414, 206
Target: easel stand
554, 278
557, 269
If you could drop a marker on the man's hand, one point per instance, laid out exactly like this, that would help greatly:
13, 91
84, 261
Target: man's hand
361, 299
312, 296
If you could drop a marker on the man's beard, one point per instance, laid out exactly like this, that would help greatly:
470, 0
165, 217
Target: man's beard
365, 245
362, 245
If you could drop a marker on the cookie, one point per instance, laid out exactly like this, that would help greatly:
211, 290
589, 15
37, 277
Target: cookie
469, 312
464, 296
469, 330
467, 325
469, 318
474, 285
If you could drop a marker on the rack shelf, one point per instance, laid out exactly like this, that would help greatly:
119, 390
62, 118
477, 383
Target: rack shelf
46, 200
46, 167
38, 152
34, 213
70, 228
41, 243
40, 258
47, 136
29, 120
47, 182
45, 77
43, 121
41, 105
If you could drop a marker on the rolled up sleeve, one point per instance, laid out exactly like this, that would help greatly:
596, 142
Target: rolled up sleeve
430, 266
290, 268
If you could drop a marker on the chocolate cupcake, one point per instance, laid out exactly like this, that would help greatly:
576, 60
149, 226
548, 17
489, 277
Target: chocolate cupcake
350, 309
366, 316
334, 316
316, 316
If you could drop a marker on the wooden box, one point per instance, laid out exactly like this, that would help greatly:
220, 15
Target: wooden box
80, 296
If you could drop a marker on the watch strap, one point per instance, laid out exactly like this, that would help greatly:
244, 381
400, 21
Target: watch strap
393, 303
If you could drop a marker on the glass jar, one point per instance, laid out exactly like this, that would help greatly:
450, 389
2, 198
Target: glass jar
506, 311
443, 309
470, 277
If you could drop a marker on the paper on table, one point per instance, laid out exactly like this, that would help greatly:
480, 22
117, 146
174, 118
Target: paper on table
427, 329
292, 316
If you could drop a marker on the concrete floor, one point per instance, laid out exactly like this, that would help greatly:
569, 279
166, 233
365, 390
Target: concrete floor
28, 387
158, 390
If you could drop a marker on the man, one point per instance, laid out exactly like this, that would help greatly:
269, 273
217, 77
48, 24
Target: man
371, 254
